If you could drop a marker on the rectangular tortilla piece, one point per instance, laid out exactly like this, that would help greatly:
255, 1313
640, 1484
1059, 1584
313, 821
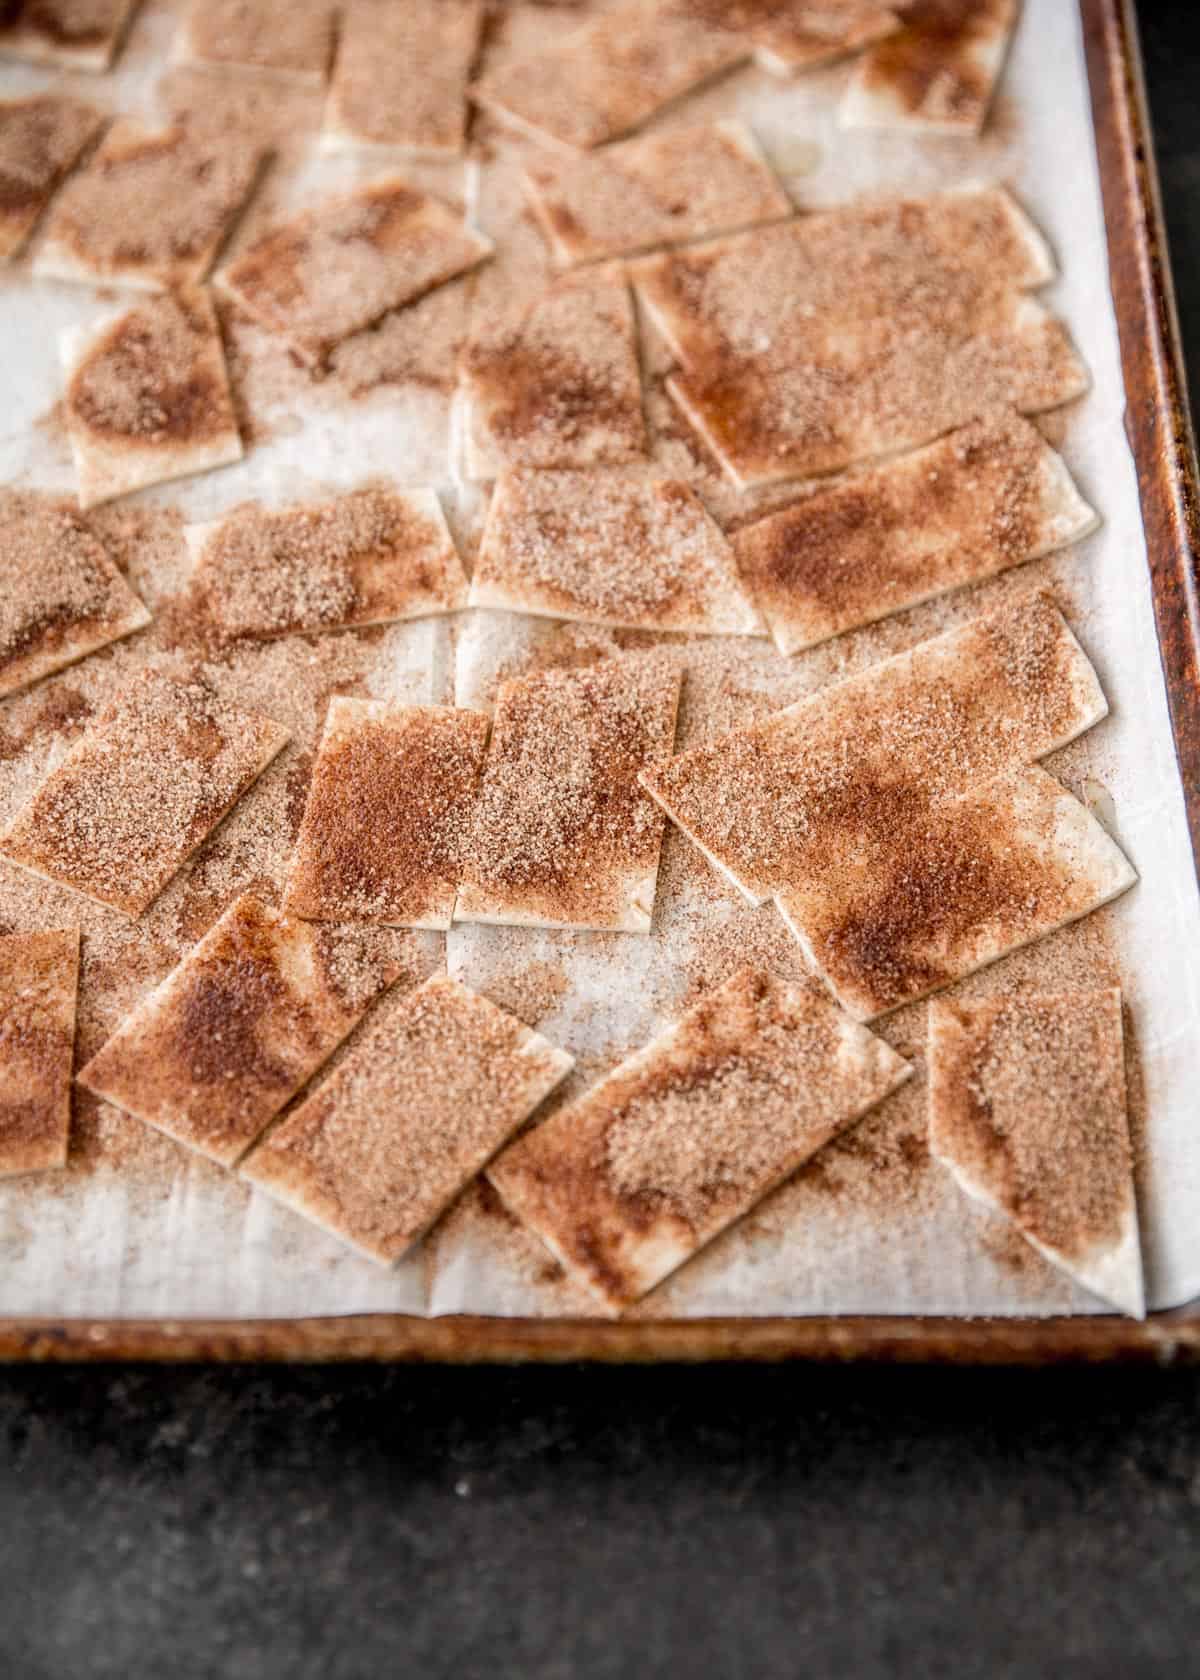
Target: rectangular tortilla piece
139, 791
401, 75
39, 975
420, 1104
765, 803
791, 35
212, 1055
660, 189
938, 73
983, 499
69, 34
628, 1182
388, 813
605, 549
1027, 1109
338, 268
371, 556
61, 596
930, 890
147, 396
295, 40
563, 836
41, 138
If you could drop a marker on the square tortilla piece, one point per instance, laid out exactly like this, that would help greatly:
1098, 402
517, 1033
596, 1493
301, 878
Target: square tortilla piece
337, 269
766, 803
71, 34
295, 40
150, 209
661, 189
938, 73
685, 1136
977, 502
389, 807
140, 791
372, 556
1027, 1109
250, 1014
428, 1093
61, 596
925, 893
39, 974
147, 396
401, 75
598, 547
563, 836
41, 139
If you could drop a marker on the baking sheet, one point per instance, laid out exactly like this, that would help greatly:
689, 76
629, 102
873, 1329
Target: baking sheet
873, 1227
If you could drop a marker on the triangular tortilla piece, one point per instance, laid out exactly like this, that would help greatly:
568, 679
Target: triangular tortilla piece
61, 596
604, 549
212, 1055
927, 891
147, 396
41, 138
977, 502
765, 803
422, 1101
938, 74
661, 189
140, 790
372, 556
39, 975
563, 836
388, 813
338, 268
70, 34
150, 209
685, 1136
1027, 1108
295, 40
401, 75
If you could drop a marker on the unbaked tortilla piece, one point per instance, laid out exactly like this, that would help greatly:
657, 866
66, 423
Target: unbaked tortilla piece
685, 1136
400, 80
372, 556
938, 74
660, 189
140, 790
68, 34
606, 549
39, 975
419, 1105
935, 889
41, 138
214, 1053
61, 595
1027, 1109
294, 41
147, 396
563, 836
988, 497
389, 808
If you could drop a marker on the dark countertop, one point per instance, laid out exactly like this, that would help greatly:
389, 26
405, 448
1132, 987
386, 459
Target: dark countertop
574, 1524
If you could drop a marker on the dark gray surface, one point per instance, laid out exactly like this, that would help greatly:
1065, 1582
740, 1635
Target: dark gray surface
572, 1525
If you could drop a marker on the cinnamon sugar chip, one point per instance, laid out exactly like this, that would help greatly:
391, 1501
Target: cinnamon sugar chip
559, 385
247, 1018
609, 550
388, 812
767, 802
73, 34
39, 975
791, 35
662, 189
371, 556
41, 138
985, 498
335, 269
294, 40
147, 396
61, 596
938, 73
150, 209
1027, 1109
401, 75
563, 836
422, 1101
928, 890
685, 1136
137, 794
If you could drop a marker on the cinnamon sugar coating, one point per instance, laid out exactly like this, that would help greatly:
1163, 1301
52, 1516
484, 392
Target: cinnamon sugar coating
936, 73
41, 138
401, 75
293, 40
38, 979
76, 34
